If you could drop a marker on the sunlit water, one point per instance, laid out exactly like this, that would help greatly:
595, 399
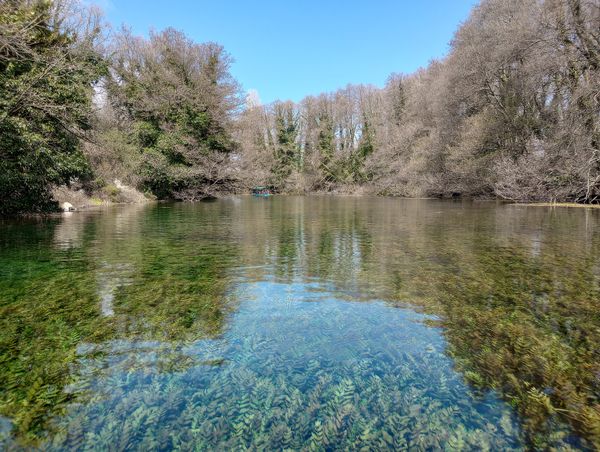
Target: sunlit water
315, 323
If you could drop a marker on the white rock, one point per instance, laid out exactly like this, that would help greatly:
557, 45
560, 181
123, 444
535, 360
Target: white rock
67, 207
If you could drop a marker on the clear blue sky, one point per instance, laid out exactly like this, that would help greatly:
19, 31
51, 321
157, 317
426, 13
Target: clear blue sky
290, 49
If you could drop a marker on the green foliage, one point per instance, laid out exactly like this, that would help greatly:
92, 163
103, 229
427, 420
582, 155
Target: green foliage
356, 164
287, 153
156, 173
114, 154
326, 146
146, 134
45, 97
179, 98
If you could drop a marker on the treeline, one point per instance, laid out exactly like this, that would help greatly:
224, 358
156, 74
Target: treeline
512, 112
81, 107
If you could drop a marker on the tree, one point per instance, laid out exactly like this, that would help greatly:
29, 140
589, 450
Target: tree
513, 112
48, 64
180, 99
287, 152
253, 133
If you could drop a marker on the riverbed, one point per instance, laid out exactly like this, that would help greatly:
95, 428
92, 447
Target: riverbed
323, 322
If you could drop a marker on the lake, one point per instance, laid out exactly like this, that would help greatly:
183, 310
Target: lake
313, 323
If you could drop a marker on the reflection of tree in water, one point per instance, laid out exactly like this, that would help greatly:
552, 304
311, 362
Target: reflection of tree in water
517, 288
320, 238
520, 310
124, 276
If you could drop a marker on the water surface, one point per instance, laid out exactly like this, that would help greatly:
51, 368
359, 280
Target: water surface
315, 323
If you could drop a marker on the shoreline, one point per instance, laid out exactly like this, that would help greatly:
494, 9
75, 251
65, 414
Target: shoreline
89, 203
556, 204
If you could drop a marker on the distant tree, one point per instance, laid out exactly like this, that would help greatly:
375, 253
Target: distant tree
513, 112
254, 135
396, 92
326, 145
287, 151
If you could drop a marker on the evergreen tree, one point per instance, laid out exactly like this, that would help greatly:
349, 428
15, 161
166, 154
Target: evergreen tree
287, 153
47, 71
326, 144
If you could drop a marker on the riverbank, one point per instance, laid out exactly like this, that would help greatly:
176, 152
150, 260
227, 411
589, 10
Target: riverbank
119, 193
557, 204
114, 193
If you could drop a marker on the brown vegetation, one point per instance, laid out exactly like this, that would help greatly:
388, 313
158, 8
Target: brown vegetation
512, 112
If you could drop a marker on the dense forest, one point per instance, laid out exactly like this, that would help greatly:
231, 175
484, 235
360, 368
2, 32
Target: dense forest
512, 112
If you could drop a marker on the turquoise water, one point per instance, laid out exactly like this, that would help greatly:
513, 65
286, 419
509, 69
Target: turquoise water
300, 323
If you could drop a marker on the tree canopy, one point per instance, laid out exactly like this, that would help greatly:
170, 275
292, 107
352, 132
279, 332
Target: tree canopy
48, 65
512, 112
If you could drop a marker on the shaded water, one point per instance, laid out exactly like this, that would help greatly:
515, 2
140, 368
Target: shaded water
303, 323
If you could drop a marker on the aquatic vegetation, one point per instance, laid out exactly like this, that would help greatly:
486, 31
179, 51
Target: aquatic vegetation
529, 328
302, 323
276, 388
49, 307
524, 321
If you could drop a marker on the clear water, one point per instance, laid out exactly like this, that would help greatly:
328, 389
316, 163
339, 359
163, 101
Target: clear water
301, 323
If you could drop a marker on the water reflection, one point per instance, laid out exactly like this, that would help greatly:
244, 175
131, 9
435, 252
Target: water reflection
110, 279
69, 232
194, 318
